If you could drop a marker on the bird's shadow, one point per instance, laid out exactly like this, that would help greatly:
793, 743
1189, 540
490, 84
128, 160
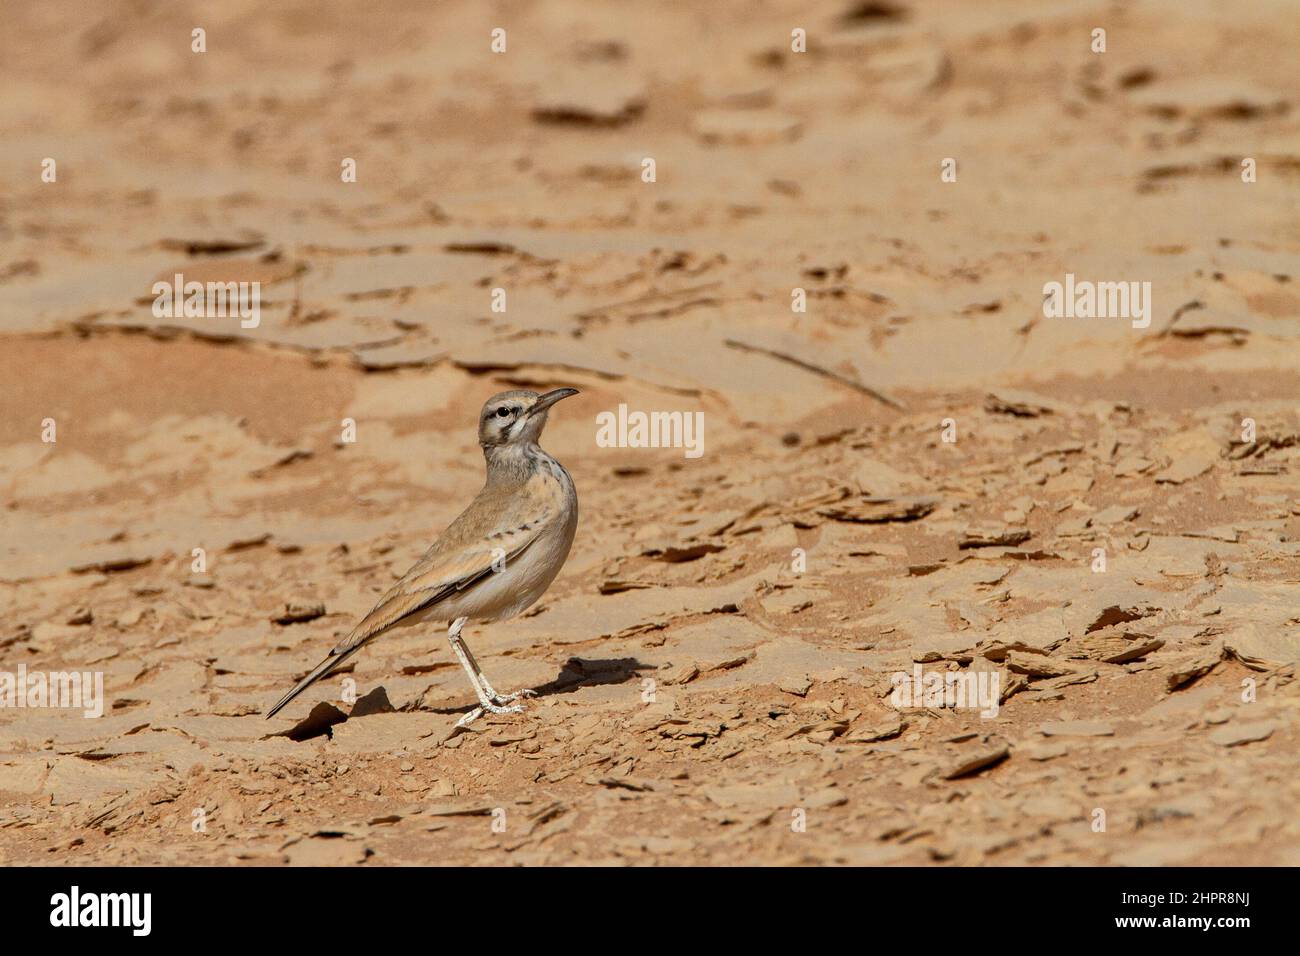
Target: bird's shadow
577, 672
583, 672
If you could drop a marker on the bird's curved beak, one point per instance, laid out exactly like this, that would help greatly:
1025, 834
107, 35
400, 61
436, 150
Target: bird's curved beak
549, 399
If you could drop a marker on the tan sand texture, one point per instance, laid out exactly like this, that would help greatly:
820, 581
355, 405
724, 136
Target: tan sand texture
920, 470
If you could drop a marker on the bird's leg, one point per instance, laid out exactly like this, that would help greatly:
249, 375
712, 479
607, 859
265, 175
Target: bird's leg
453, 638
462, 654
500, 699
487, 698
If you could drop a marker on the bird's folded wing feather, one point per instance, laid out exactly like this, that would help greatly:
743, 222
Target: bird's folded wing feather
496, 526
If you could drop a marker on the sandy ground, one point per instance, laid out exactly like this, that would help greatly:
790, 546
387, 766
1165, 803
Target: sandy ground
715, 663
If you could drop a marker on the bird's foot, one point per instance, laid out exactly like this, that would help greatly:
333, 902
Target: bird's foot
490, 707
503, 699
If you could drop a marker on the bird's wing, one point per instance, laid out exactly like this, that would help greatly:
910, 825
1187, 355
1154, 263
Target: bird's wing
499, 525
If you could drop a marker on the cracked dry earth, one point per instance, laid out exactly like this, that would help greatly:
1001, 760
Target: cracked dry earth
715, 662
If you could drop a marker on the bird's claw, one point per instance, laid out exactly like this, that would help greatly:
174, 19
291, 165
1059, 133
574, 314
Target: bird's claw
492, 707
503, 699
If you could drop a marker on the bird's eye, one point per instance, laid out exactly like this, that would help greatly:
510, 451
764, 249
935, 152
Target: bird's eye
502, 412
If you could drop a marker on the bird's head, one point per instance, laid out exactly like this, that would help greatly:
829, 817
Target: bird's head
516, 417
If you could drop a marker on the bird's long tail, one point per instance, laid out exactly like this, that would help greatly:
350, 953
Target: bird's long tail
323, 669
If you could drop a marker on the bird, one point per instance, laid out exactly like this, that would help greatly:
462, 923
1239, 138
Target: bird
491, 563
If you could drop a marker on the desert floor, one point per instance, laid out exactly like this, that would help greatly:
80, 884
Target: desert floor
715, 663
